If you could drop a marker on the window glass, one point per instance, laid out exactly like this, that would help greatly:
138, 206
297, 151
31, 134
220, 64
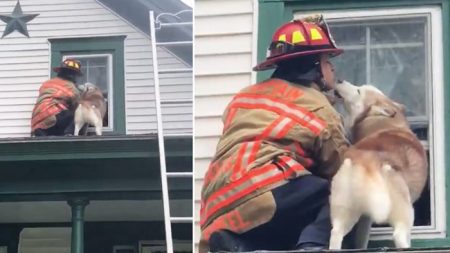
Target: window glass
96, 70
390, 53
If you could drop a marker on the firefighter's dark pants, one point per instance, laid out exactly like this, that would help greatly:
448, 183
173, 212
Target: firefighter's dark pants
64, 125
301, 220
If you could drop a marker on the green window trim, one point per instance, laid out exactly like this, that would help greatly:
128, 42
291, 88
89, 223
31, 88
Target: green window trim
96, 45
273, 13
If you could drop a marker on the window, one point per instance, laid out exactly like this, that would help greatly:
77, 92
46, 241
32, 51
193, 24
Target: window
391, 53
124, 249
400, 52
179, 246
97, 69
102, 62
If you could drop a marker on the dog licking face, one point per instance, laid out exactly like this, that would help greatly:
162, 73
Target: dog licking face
91, 109
362, 106
385, 170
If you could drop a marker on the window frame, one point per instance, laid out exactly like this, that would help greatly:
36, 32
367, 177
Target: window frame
113, 45
178, 245
110, 58
437, 163
380, 15
272, 13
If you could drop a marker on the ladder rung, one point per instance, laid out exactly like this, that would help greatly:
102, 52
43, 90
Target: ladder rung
176, 101
164, 71
179, 174
181, 219
173, 43
175, 24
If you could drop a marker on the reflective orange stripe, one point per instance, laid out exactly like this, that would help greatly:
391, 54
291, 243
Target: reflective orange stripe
233, 188
296, 148
229, 118
211, 172
275, 86
236, 221
296, 113
254, 151
285, 129
267, 132
232, 220
255, 179
59, 85
279, 127
238, 164
246, 157
247, 153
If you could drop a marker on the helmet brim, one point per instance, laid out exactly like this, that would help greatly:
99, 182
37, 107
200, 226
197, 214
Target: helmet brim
58, 69
271, 63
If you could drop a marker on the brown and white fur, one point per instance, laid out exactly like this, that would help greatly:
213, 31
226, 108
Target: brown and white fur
91, 109
383, 173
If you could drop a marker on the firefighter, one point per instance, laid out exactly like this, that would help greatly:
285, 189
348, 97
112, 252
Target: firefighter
267, 186
53, 113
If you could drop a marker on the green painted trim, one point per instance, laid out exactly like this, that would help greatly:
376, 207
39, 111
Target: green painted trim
272, 13
270, 17
119, 90
91, 147
78, 206
309, 5
416, 243
113, 45
363, 4
446, 52
94, 167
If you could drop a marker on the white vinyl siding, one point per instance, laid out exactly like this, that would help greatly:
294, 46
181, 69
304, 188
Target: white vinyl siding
224, 56
25, 64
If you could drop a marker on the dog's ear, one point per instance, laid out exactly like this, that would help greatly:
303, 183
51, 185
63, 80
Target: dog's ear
382, 110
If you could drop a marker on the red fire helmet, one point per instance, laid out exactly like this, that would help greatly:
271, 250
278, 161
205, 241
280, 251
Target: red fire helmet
299, 38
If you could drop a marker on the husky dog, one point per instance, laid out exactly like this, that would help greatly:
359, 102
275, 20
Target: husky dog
383, 173
91, 109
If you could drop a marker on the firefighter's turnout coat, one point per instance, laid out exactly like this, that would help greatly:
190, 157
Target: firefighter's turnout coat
274, 131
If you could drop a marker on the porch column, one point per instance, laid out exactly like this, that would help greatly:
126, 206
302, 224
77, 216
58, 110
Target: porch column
78, 206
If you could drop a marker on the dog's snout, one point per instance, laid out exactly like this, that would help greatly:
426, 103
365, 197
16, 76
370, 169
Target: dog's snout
336, 93
339, 81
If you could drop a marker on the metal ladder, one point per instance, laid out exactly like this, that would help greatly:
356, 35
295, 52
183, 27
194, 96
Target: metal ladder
168, 219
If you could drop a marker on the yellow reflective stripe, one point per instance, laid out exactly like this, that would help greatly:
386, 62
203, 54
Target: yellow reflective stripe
297, 37
282, 37
315, 35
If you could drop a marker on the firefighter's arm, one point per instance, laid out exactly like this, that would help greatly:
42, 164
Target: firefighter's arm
73, 99
330, 147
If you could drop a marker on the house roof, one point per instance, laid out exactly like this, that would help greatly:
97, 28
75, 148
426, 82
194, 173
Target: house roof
137, 13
